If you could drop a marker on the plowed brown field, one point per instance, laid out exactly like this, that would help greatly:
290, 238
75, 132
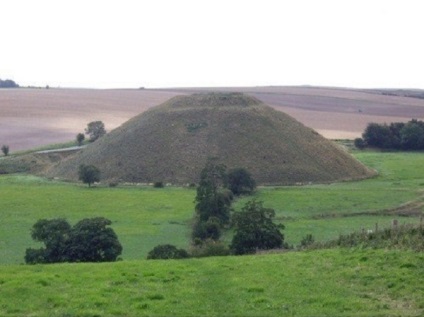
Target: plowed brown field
34, 117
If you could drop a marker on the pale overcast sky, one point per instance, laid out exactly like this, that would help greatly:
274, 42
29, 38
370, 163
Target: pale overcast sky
169, 43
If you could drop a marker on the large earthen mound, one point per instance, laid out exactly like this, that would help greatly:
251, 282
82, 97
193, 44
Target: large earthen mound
173, 141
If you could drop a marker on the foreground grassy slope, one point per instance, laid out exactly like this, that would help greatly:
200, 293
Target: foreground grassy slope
173, 141
318, 283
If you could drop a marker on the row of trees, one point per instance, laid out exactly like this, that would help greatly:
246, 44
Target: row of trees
395, 136
90, 240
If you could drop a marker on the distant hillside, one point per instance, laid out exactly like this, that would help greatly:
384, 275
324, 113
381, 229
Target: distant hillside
173, 141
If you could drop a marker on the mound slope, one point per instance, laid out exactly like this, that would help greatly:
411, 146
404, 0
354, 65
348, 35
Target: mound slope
173, 141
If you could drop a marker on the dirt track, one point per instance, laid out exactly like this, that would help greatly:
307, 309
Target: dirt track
34, 117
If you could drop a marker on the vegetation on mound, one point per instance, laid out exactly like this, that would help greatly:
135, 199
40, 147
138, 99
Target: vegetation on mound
315, 283
173, 141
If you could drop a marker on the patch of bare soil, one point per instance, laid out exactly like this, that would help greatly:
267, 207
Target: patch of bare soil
34, 117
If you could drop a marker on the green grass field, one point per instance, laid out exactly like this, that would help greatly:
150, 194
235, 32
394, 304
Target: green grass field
318, 283
335, 282
144, 217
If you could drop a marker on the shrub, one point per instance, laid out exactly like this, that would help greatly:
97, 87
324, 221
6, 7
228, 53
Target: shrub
80, 138
359, 143
5, 150
158, 185
239, 181
209, 248
307, 241
88, 174
167, 251
255, 230
210, 229
95, 130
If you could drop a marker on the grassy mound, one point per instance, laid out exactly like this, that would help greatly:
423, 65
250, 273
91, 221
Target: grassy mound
173, 141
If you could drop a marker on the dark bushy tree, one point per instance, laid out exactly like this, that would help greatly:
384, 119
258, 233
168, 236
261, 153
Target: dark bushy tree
396, 136
5, 150
88, 241
377, 135
54, 234
239, 181
95, 130
8, 84
167, 251
80, 138
255, 230
210, 229
412, 136
211, 199
91, 240
88, 174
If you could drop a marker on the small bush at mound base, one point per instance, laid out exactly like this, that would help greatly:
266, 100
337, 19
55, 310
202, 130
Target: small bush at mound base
209, 247
167, 251
158, 185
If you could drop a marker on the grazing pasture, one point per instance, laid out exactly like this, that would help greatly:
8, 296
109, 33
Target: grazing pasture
141, 217
144, 217
317, 283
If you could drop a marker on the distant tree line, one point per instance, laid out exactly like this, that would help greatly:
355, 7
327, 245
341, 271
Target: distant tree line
8, 84
394, 136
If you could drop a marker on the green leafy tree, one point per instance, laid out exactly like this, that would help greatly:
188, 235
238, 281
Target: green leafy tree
80, 138
211, 198
378, 135
255, 230
239, 181
95, 130
412, 136
54, 234
167, 251
5, 150
88, 174
210, 229
90, 240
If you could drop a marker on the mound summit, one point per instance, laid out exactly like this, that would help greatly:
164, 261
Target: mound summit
173, 141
